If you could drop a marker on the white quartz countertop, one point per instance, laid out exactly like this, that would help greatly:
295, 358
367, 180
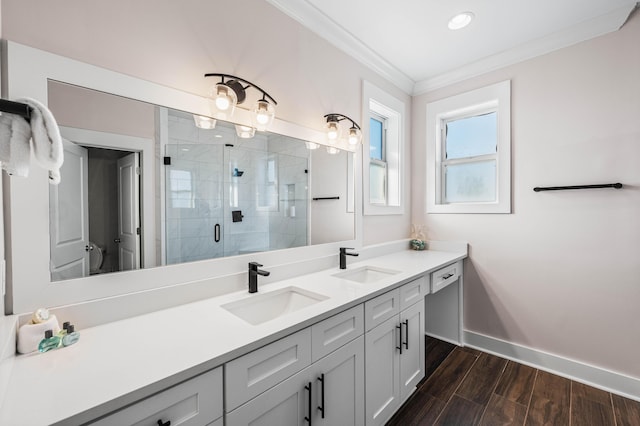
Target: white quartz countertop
120, 362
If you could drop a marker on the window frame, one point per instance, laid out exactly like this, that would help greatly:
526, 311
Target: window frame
378, 103
496, 97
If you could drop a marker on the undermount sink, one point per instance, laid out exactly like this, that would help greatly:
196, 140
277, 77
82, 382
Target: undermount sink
366, 274
262, 307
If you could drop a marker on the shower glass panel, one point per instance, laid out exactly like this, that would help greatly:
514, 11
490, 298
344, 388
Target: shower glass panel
193, 203
235, 198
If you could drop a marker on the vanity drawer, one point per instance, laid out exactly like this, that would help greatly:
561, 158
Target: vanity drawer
445, 276
257, 371
196, 402
381, 308
412, 292
330, 334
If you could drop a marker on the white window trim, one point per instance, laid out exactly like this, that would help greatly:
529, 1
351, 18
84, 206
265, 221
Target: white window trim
379, 102
498, 97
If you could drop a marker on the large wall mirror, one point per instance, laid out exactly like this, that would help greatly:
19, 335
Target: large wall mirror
150, 199
145, 185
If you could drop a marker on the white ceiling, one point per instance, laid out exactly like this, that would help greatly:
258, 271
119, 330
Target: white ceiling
408, 41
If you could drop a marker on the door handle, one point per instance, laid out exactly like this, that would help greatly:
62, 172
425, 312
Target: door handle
216, 233
399, 327
308, 388
88, 248
321, 408
406, 334
116, 240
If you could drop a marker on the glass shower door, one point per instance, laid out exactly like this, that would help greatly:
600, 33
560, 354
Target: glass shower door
193, 203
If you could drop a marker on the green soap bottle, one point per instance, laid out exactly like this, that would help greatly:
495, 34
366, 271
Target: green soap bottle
49, 342
71, 337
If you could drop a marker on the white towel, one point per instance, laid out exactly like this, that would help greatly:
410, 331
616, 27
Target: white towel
15, 150
46, 139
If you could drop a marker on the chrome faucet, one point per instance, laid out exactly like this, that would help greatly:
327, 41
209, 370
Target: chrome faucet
253, 276
343, 256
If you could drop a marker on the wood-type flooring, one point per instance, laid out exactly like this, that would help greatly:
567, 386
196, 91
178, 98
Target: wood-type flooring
465, 387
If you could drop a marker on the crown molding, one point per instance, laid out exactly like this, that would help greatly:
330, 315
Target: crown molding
315, 20
586, 30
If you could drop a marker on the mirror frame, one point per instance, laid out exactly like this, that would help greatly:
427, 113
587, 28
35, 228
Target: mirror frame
25, 73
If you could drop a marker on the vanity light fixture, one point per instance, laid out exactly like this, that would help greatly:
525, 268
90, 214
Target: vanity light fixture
354, 136
332, 150
231, 91
312, 145
460, 20
245, 132
203, 122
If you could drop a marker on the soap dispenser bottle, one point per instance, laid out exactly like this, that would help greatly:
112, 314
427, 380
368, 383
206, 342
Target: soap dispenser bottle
71, 337
49, 342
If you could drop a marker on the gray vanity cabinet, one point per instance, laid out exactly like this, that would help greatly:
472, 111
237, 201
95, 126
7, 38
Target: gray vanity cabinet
316, 373
394, 344
301, 396
195, 402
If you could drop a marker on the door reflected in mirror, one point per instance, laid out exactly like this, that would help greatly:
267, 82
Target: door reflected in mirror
143, 186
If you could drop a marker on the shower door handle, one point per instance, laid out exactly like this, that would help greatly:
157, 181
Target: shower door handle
216, 233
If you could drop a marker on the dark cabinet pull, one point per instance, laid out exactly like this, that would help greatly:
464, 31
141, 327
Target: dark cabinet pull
308, 419
406, 334
216, 233
399, 327
446, 277
321, 408
161, 423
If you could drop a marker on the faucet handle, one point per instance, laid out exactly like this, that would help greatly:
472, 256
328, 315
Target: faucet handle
254, 265
344, 249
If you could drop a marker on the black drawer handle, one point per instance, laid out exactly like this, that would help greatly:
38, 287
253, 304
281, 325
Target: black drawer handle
406, 334
399, 327
161, 423
321, 408
446, 277
308, 419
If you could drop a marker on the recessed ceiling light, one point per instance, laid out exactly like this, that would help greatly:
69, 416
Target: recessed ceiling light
460, 20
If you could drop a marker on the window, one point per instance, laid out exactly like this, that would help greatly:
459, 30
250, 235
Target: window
377, 160
383, 155
469, 152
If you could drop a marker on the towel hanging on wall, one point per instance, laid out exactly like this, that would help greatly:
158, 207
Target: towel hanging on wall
41, 134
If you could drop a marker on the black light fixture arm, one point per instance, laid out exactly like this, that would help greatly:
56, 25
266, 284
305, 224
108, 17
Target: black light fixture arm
339, 117
242, 80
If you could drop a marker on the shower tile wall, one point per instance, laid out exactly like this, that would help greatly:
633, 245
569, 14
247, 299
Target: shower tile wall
194, 189
203, 190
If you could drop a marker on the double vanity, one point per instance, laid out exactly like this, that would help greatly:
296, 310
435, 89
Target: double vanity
330, 347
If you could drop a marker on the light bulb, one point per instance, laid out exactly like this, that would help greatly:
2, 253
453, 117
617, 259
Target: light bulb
332, 131
245, 132
355, 135
332, 150
203, 122
222, 98
461, 20
263, 114
223, 101
312, 145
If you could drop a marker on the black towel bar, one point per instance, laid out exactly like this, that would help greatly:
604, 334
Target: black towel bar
617, 185
325, 198
18, 108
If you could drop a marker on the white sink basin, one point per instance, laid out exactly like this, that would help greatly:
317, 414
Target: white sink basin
366, 274
262, 307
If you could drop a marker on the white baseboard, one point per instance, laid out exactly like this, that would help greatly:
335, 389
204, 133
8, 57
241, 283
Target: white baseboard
597, 377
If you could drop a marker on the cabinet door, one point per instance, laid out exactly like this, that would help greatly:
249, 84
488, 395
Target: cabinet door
284, 405
338, 386
195, 402
382, 371
412, 359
